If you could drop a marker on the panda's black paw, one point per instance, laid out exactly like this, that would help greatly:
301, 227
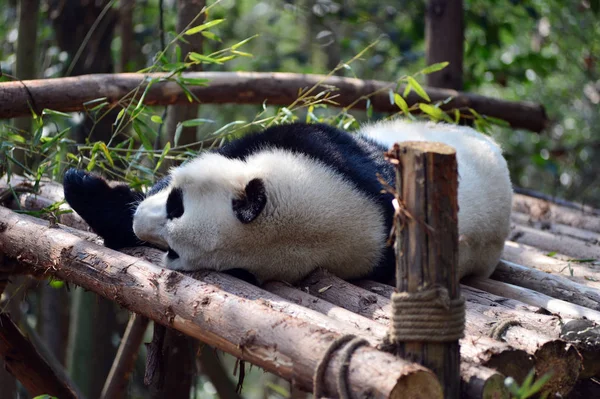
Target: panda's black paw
107, 209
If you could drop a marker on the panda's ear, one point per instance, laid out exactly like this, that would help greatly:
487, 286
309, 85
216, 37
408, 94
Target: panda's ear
251, 203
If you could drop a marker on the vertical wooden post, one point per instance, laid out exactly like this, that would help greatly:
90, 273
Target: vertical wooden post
430, 319
444, 41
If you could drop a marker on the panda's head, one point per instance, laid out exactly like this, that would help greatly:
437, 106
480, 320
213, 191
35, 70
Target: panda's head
275, 214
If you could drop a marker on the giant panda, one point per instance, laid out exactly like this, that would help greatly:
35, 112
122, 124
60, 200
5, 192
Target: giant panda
280, 203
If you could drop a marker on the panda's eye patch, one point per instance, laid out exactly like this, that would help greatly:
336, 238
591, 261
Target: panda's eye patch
175, 204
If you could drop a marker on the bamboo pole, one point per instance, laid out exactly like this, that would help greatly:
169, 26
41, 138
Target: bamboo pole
220, 310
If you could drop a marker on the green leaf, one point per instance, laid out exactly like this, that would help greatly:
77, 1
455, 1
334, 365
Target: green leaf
401, 103
240, 44
162, 156
242, 53
194, 81
106, 153
551, 254
200, 28
497, 121
146, 143
156, 119
211, 36
417, 88
196, 122
203, 58
434, 67
47, 111
407, 90
432, 111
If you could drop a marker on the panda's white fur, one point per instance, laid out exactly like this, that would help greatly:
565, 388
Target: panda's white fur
297, 231
315, 217
484, 187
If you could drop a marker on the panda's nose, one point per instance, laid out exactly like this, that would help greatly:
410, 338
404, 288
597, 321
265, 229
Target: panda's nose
150, 218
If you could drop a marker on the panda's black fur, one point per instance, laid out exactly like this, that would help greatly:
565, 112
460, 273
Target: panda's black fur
109, 209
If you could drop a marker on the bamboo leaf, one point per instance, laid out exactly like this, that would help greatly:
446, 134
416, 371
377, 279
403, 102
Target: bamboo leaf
417, 88
401, 103
434, 67
200, 28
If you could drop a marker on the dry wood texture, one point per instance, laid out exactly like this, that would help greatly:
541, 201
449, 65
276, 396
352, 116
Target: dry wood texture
564, 309
426, 247
476, 381
23, 361
71, 93
372, 301
521, 327
250, 323
540, 209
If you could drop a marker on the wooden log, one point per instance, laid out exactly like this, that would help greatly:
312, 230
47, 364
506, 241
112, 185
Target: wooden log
476, 349
231, 315
529, 256
550, 284
572, 247
586, 209
559, 229
521, 328
24, 362
426, 248
118, 377
72, 93
482, 383
562, 308
477, 381
544, 210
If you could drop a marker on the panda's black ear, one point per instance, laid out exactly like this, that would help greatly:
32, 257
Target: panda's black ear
252, 201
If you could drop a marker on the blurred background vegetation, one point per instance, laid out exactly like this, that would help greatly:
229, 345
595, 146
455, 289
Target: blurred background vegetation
540, 51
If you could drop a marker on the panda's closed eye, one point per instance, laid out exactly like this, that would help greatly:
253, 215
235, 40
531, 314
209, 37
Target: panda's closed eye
175, 203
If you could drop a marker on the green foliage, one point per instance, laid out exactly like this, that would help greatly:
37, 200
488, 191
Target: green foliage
529, 387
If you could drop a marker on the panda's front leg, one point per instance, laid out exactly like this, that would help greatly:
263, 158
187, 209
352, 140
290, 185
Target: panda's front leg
107, 209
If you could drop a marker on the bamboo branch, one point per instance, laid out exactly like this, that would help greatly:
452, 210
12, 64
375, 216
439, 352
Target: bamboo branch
23, 361
220, 310
71, 93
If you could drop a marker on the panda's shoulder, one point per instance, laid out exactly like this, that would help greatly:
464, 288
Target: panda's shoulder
316, 140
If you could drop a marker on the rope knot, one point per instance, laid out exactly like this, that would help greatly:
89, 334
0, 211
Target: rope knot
427, 316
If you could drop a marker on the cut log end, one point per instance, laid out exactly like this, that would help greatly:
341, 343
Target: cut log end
482, 383
563, 362
515, 363
417, 385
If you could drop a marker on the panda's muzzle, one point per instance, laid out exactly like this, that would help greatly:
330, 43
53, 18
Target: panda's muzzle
171, 254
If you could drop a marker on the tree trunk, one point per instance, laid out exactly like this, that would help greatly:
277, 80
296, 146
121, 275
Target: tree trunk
444, 41
25, 68
187, 11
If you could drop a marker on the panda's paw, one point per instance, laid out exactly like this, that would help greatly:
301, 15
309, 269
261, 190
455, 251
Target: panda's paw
107, 209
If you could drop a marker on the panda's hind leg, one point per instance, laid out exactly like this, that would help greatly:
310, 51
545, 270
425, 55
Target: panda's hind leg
108, 209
